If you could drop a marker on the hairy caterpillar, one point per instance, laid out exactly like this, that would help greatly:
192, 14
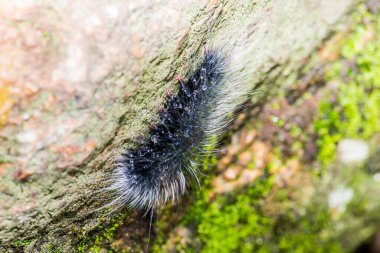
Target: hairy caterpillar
158, 170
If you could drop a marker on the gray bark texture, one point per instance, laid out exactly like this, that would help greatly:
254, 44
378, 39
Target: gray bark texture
85, 78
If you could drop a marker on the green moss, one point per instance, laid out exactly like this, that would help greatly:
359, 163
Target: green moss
232, 222
353, 109
102, 237
237, 222
21, 244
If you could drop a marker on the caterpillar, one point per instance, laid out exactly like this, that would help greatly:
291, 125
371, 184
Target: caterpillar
158, 170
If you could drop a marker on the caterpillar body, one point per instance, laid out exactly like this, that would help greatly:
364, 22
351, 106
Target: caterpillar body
160, 168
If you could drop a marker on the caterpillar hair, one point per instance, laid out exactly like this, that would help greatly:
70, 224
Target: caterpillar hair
159, 169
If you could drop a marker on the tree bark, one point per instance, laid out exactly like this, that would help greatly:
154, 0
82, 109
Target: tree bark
81, 81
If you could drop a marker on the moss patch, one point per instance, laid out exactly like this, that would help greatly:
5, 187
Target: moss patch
103, 240
352, 108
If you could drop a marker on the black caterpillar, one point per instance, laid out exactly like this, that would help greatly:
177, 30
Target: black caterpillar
158, 170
